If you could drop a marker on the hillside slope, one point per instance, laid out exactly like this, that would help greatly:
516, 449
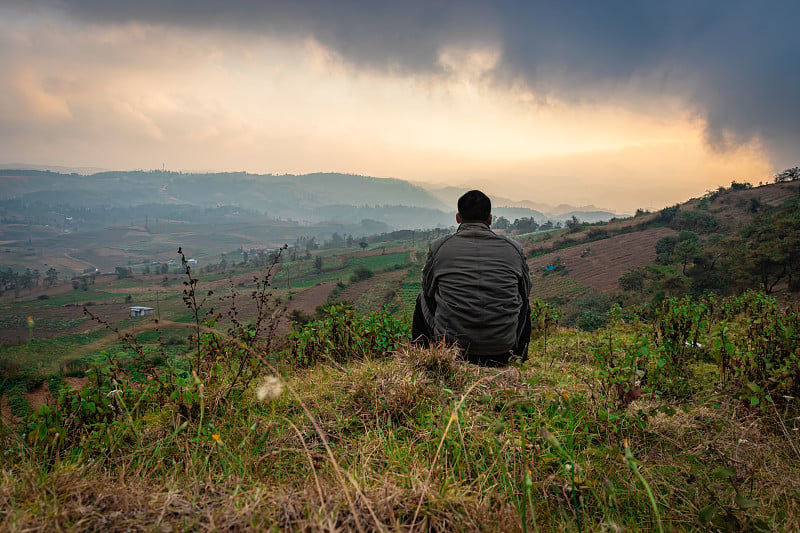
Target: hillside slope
596, 256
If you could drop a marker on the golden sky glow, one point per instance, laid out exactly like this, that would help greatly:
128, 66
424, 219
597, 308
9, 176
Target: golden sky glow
139, 95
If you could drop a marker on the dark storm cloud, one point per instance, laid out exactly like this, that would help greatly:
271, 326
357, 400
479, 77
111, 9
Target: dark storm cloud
735, 62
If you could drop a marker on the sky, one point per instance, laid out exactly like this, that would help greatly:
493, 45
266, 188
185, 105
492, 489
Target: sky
618, 104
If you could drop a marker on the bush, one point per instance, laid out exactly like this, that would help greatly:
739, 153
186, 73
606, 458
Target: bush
588, 312
696, 221
757, 346
666, 215
74, 367
361, 274
342, 335
678, 326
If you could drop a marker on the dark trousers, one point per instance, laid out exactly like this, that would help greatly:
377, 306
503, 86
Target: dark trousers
422, 335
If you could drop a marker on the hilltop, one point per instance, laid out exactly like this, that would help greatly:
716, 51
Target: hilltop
278, 389
589, 259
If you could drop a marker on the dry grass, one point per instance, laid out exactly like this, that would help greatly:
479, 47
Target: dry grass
419, 441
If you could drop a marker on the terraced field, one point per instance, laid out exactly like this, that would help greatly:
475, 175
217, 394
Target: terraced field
555, 286
600, 264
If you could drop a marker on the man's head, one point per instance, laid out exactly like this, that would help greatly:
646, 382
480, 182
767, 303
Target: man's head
474, 206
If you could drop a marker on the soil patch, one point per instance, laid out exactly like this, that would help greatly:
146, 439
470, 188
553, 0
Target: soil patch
600, 264
307, 302
354, 291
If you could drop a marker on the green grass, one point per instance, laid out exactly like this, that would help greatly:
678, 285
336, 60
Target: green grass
555, 286
394, 440
422, 439
46, 355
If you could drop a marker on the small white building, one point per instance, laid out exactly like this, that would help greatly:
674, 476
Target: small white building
137, 311
191, 261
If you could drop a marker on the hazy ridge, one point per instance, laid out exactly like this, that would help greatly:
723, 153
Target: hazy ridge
309, 198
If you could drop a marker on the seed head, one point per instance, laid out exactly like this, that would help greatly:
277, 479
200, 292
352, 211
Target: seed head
270, 388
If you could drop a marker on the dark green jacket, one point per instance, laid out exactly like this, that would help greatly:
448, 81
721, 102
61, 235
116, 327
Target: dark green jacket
479, 281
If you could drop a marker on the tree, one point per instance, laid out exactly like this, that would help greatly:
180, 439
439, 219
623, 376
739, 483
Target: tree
123, 272
363, 245
687, 251
501, 223
51, 277
548, 225
790, 174
525, 225
773, 246
573, 222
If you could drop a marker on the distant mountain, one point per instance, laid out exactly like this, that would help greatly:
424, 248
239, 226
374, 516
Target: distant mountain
525, 208
308, 198
53, 168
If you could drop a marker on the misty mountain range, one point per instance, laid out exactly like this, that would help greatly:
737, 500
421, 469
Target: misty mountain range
308, 198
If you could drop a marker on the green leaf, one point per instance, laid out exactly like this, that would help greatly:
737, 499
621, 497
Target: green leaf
744, 503
708, 513
724, 473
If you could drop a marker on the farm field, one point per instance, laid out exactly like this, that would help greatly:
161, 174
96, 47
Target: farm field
600, 264
59, 318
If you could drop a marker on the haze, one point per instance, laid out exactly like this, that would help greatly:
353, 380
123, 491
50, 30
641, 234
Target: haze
621, 105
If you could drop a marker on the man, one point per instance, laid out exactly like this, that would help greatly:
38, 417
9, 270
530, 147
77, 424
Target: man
475, 289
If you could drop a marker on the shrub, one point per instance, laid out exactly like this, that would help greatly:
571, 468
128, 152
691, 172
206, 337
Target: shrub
666, 215
588, 312
678, 326
361, 274
697, 221
757, 347
342, 335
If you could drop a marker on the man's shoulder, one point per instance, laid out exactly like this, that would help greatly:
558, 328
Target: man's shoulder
517, 246
437, 243
484, 234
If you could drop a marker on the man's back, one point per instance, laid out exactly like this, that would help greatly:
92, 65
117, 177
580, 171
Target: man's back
478, 283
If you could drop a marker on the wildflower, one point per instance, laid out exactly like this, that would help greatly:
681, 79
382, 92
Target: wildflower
565, 395
216, 438
270, 387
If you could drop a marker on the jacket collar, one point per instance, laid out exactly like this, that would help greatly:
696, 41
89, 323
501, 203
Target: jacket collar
473, 226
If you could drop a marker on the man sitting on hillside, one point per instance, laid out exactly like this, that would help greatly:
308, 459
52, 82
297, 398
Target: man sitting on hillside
475, 289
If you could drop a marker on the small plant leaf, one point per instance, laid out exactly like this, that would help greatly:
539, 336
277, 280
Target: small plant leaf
745, 503
723, 473
708, 513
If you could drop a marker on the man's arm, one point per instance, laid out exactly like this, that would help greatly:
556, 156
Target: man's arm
427, 274
525, 279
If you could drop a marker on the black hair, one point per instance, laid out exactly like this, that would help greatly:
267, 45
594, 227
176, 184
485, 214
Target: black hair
474, 206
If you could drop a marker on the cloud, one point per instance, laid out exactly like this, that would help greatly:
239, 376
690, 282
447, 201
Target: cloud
732, 62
